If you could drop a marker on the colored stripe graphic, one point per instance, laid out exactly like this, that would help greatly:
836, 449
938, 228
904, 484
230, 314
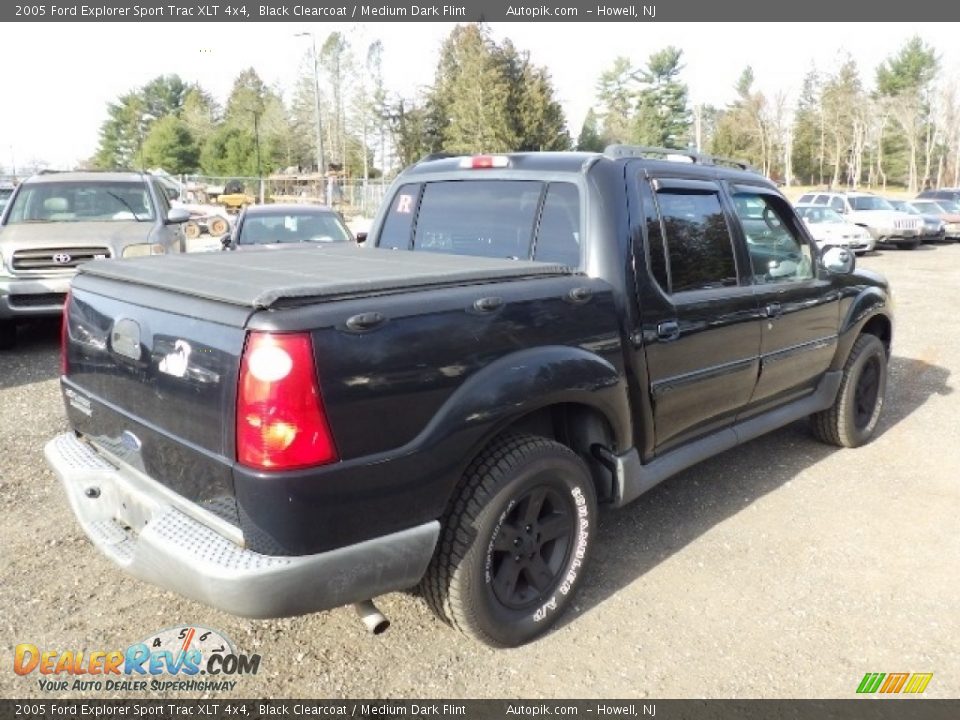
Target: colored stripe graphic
894, 682
918, 683
870, 682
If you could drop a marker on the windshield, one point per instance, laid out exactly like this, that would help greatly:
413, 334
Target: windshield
940, 206
294, 227
818, 215
75, 201
5, 194
904, 206
869, 202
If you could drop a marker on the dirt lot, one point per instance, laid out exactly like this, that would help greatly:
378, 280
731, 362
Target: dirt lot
780, 569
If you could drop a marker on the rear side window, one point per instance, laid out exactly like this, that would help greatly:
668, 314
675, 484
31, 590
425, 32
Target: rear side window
804, 199
398, 226
698, 240
558, 235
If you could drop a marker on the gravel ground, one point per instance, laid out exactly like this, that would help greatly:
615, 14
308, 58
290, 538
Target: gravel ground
783, 568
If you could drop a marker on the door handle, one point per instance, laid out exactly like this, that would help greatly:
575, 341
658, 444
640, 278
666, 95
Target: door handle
772, 310
669, 330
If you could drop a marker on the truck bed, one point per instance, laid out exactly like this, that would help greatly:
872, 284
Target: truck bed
294, 275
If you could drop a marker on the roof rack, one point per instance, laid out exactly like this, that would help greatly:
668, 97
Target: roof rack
47, 171
639, 151
437, 156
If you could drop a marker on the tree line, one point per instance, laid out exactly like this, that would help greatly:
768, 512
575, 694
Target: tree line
902, 129
486, 96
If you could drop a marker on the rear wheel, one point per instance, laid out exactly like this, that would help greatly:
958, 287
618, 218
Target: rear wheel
514, 542
852, 419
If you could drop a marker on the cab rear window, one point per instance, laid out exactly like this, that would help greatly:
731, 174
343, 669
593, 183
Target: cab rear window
515, 219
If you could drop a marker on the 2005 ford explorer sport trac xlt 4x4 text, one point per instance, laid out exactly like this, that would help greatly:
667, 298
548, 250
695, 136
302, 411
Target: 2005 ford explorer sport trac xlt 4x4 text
525, 338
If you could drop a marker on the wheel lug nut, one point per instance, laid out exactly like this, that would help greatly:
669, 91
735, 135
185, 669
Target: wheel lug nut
516, 543
529, 528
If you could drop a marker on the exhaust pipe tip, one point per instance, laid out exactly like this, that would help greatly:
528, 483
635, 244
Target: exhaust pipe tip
374, 620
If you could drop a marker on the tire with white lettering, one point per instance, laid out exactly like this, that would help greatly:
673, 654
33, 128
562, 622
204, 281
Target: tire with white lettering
514, 541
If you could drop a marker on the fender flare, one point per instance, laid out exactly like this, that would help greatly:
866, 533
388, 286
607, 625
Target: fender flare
868, 304
528, 380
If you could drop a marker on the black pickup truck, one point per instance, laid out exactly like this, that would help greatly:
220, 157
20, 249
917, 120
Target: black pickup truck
525, 338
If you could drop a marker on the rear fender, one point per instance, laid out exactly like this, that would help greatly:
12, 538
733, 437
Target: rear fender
525, 381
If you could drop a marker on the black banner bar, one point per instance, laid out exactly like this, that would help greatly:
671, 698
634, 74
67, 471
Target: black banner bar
639, 11
858, 709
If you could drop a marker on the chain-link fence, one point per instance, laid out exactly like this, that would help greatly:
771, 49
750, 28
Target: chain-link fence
352, 197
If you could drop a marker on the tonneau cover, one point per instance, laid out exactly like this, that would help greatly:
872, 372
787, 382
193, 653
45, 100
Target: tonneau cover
266, 278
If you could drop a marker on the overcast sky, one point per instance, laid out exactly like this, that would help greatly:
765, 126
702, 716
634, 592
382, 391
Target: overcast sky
57, 78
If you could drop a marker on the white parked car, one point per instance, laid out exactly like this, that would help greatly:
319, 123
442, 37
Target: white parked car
829, 228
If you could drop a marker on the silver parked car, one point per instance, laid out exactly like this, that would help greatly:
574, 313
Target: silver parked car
55, 221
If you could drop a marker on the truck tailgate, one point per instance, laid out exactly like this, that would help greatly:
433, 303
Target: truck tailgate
153, 383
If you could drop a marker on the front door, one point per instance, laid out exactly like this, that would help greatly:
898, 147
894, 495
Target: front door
800, 308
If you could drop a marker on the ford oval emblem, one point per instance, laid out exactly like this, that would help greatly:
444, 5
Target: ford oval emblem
130, 442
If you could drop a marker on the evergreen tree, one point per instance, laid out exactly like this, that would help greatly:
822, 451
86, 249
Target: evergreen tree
470, 100
663, 116
171, 146
617, 93
200, 113
806, 131
408, 122
589, 139
906, 81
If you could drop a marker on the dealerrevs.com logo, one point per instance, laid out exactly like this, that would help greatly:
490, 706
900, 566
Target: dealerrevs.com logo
186, 658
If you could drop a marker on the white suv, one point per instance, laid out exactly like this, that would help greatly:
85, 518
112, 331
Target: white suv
872, 212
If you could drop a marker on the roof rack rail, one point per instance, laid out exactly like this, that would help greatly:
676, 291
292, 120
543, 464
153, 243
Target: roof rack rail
48, 171
437, 156
622, 151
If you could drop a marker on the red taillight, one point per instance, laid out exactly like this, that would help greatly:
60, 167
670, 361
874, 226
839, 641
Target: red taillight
281, 424
65, 335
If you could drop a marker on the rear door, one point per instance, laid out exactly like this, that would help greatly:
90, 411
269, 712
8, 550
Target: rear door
799, 304
700, 323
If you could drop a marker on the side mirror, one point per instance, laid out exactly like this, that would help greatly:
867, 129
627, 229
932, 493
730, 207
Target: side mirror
226, 241
361, 238
838, 261
177, 215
